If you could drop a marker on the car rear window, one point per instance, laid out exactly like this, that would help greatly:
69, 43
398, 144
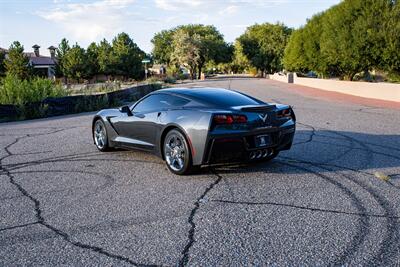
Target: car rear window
226, 98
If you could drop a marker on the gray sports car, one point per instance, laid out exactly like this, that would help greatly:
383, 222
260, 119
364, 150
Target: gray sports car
193, 127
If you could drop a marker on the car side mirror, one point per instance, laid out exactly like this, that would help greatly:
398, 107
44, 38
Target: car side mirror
126, 110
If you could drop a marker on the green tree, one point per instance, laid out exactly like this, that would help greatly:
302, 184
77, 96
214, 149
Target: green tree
75, 63
104, 57
303, 52
240, 63
186, 50
294, 58
391, 54
209, 46
352, 37
127, 57
210, 43
92, 61
63, 48
264, 45
17, 63
162, 46
346, 38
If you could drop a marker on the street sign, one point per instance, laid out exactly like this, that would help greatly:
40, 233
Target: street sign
146, 61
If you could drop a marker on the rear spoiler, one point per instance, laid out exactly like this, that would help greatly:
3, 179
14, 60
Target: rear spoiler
258, 108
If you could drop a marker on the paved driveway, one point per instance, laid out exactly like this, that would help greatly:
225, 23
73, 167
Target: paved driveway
64, 203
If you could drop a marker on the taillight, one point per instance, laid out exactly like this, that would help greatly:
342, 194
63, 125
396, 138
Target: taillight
285, 113
229, 119
239, 118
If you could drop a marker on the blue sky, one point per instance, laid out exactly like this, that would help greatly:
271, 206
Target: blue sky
46, 22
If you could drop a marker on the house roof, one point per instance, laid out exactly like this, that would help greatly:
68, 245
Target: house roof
34, 60
41, 60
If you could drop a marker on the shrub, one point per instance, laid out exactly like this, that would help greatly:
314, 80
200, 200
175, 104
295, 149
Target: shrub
14, 91
169, 79
153, 79
253, 71
393, 77
183, 76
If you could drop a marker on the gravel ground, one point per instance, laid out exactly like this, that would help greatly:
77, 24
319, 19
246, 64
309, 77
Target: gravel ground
62, 202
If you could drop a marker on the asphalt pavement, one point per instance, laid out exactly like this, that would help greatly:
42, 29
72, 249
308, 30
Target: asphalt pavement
64, 203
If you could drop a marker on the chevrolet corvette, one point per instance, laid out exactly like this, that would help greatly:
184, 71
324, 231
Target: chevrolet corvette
194, 127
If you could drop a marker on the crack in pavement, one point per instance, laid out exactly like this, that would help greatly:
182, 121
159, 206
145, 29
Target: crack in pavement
38, 212
17, 226
305, 208
310, 137
185, 253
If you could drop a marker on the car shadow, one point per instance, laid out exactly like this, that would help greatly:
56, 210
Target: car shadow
332, 151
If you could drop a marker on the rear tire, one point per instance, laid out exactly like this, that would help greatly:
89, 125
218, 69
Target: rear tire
177, 153
100, 136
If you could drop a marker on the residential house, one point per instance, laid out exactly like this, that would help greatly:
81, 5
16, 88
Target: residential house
42, 65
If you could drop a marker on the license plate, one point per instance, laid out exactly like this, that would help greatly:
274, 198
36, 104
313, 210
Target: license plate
263, 140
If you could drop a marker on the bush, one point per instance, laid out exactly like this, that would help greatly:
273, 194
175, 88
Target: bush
253, 71
153, 79
183, 76
172, 70
393, 77
169, 79
14, 91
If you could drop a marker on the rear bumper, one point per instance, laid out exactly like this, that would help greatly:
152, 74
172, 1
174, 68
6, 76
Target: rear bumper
234, 147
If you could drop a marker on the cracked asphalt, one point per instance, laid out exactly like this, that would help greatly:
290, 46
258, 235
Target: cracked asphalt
64, 203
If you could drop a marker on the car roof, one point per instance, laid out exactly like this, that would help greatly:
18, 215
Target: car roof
213, 96
192, 90
199, 91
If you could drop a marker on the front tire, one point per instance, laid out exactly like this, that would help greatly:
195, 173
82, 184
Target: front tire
100, 136
177, 153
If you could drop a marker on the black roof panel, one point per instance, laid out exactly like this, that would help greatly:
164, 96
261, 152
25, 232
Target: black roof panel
215, 96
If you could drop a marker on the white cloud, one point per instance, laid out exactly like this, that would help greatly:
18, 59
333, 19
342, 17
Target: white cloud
89, 21
229, 10
178, 4
259, 3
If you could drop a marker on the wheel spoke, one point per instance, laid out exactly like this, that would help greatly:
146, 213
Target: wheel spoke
168, 148
180, 163
174, 162
172, 142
